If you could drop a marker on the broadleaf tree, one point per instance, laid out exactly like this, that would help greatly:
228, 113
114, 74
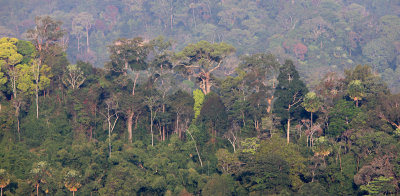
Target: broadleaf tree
202, 59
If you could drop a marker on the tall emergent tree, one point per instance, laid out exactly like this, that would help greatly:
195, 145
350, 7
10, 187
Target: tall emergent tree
45, 37
129, 56
83, 20
260, 79
111, 115
201, 59
289, 94
261, 72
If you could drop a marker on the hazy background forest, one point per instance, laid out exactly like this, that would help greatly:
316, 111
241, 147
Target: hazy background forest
172, 97
320, 35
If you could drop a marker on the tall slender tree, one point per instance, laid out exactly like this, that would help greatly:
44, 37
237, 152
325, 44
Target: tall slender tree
312, 104
83, 20
128, 58
289, 94
46, 37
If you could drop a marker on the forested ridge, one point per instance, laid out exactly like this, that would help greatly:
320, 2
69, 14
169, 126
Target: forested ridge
194, 115
319, 35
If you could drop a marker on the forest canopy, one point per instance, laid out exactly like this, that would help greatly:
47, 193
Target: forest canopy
199, 98
321, 36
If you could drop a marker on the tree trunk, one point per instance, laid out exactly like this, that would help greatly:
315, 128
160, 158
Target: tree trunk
194, 19
288, 131
18, 129
312, 139
78, 43
136, 120
126, 65
171, 19
1, 192
197, 150
177, 126
37, 190
203, 87
37, 88
163, 126
37, 102
14, 85
340, 162
269, 107
257, 127
90, 133
130, 121
151, 128
163, 133
87, 38
134, 84
207, 84
109, 136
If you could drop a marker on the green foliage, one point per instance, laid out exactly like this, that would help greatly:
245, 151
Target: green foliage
71, 180
311, 102
288, 153
227, 162
341, 118
127, 55
289, 93
205, 54
3, 79
219, 185
27, 50
198, 97
213, 113
313, 188
9, 55
201, 60
73, 77
342, 177
380, 185
250, 145
4, 178
356, 90
356, 151
41, 175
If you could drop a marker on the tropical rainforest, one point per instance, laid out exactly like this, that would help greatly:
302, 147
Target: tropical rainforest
199, 97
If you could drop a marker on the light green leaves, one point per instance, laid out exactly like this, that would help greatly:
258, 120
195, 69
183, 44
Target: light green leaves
3, 79
311, 102
8, 52
356, 90
198, 97
380, 185
25, 79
